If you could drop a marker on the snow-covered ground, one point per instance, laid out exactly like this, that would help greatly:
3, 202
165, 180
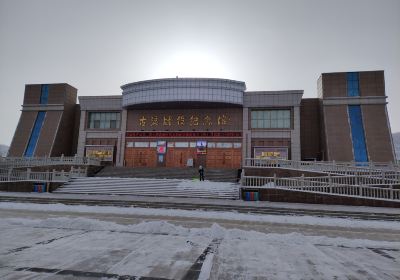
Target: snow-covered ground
221, 215
62, 242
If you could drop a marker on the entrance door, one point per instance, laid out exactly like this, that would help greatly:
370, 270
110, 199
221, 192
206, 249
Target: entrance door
224, 158
178, 157
140, 157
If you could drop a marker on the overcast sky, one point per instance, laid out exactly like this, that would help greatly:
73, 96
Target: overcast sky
97, 46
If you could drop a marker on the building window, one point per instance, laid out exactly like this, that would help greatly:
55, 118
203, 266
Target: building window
224, 145
129, 144
237, 145
352, 84
211, 145
181, 144
153, 144
270, 119
141, 144
104, 120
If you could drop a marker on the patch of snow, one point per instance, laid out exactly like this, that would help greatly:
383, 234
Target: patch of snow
216, 215
206, 185
165, 228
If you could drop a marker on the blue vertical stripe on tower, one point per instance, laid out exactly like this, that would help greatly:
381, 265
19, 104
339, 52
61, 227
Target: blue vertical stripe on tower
357, 133
44, 94
30, 149
352, 84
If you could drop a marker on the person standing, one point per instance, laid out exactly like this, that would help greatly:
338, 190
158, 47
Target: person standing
201, 173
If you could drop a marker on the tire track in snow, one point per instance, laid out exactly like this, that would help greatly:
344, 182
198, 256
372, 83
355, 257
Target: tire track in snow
195, 270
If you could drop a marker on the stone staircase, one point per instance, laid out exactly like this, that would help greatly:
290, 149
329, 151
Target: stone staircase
215, 175
151, 187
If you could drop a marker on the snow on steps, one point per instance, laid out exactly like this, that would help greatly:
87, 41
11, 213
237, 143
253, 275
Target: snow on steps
151, 187
217, 175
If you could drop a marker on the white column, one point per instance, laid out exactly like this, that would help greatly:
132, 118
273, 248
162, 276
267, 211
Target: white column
295, 134
121, 139
246, 136
82, 135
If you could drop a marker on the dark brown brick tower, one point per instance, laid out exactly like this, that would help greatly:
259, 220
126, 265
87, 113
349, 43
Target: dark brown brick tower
355, 122
46, 125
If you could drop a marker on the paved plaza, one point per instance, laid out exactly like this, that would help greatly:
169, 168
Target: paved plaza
65, 242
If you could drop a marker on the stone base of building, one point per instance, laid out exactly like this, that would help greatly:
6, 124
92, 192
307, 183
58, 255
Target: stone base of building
28, 187
295, 196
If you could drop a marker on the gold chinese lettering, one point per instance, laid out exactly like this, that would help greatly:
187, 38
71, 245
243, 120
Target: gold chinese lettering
207, 120
222, 120
167, 120
142, 121
180, 120
194, 120
154, 121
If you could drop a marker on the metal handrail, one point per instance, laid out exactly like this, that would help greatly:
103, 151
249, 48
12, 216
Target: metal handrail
354, 180
302, 184
13, 162
13, 175
371, 169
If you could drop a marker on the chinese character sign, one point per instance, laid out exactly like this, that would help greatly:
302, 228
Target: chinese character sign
188, 121
103, 153
271, 152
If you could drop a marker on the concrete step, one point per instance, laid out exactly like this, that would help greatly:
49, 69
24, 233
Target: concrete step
149, 192
150, 187
183, 195
122, 182
146, 190
177, 194
224, 175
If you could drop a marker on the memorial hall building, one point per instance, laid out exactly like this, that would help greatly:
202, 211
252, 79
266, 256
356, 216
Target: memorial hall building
216, 123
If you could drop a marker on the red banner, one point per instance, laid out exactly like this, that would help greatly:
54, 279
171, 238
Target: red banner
186, 134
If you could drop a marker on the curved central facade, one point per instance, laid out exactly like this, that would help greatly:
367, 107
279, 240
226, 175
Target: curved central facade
170, 122
192, 90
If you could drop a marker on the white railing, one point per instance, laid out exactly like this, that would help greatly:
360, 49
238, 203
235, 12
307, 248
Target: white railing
13, 175
369, 164
353, 180
8, 162
370, 169
321, 187
256, 181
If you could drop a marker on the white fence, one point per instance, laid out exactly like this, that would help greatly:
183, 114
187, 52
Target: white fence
321, 187
12, 162
390, 170
353, 180
12, 175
